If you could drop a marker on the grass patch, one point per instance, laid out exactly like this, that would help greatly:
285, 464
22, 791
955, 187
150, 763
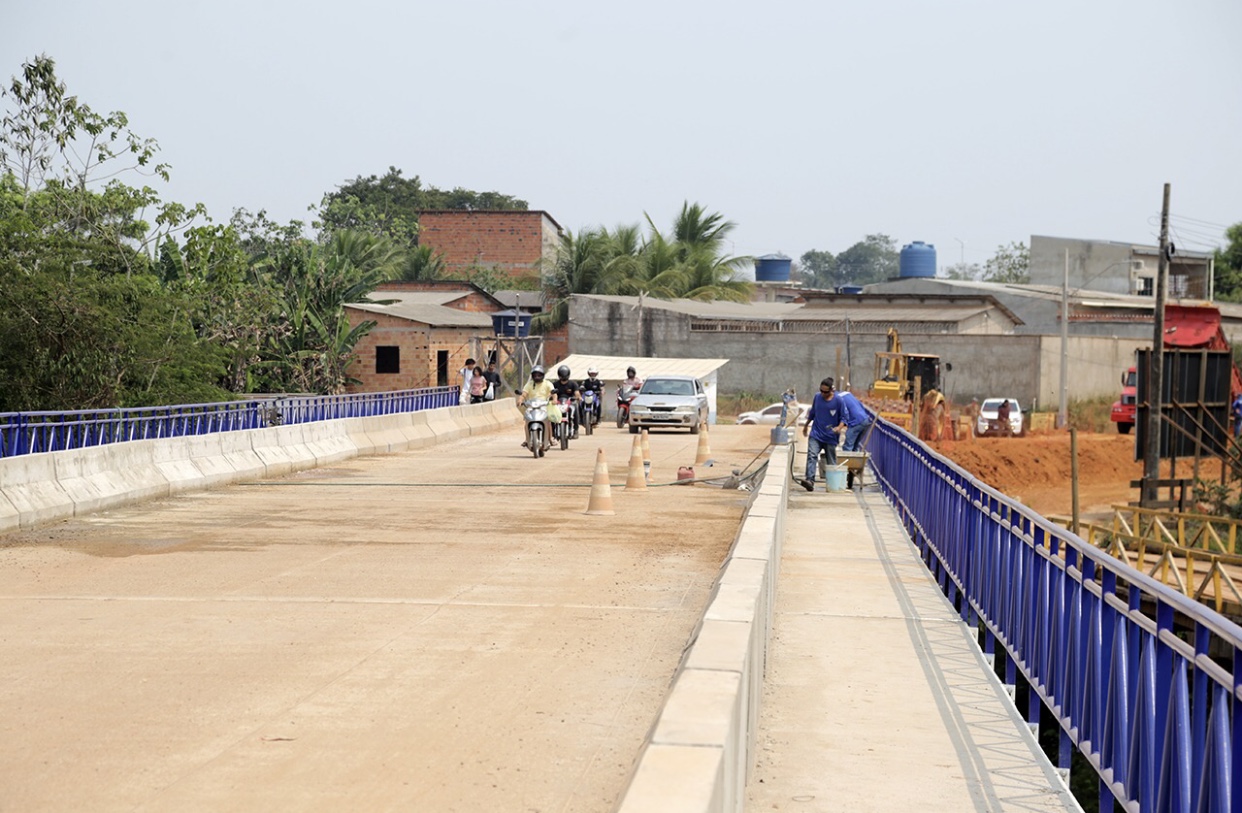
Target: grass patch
1092, 414
1089, 414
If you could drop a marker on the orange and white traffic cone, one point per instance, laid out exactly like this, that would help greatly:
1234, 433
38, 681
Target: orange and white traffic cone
646, 456
600, 502
705, 451
636, 477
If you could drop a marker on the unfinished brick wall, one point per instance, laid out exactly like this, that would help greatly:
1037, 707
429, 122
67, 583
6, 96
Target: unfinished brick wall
520, 244
418, 346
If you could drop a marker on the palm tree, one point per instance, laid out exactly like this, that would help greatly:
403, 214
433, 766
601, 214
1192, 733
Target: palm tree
315, 283
658, 271
695, 230
692, 265
422, 262
581, 267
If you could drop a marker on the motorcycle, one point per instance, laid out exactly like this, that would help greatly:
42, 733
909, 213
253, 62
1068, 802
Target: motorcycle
536, 414
624, 396
567, 429
590, 410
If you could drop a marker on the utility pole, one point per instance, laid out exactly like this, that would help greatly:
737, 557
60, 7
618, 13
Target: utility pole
638, 337
1063, 412
848, 357
1155, 381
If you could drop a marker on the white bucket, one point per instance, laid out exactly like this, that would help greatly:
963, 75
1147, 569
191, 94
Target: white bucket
834, 478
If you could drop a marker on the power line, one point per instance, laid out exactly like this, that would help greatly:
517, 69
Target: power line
1221, 226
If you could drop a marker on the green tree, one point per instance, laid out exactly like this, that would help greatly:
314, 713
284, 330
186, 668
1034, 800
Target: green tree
579, 268
314, 283
819, 269
389, 205
422, 262
689, 262
85, 320
1010, 264
1228, 283
232, 306
66, 158
963, 271
706, 272
873, 259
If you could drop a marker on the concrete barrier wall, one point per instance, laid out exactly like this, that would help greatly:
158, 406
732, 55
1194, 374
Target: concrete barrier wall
40, 488
702, 747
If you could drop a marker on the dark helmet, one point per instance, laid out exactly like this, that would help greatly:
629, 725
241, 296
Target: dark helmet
631, 372
562, 373
536, 372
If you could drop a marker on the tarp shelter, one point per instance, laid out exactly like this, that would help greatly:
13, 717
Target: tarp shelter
612, 370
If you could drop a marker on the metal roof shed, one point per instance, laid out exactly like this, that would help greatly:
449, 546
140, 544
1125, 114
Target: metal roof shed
612, 369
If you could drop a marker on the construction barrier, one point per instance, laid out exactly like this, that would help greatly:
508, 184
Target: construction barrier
46, 486
702, 748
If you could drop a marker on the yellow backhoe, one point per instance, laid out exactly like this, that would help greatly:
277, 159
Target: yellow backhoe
895, 375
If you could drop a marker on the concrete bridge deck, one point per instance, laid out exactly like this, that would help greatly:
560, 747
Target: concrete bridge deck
436, 630
443, 629
876, 696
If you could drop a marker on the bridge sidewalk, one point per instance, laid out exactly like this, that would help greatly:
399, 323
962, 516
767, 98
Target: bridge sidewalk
876, 696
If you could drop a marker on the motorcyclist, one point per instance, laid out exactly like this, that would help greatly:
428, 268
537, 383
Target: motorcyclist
595, 385
538, 387
566, 389
632, 380
626, 392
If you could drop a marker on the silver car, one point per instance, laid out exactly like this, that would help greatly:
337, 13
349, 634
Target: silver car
674, 401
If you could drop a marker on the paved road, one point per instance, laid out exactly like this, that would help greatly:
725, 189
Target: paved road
437, 630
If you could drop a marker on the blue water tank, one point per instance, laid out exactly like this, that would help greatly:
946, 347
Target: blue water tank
511, 323
772, 268
918, 259
849, 289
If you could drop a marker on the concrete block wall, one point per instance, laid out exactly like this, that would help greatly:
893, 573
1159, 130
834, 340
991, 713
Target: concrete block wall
701, 749
39, 488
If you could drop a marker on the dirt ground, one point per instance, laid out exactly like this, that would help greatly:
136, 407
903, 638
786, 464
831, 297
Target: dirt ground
443, 629
1036, 469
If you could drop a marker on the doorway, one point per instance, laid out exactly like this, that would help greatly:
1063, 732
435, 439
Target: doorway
442, 370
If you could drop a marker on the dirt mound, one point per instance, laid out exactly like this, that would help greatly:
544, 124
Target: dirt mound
1036, 469
1014, 464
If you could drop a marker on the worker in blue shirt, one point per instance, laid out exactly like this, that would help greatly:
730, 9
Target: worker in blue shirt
1236, 411
820, 430
856, 419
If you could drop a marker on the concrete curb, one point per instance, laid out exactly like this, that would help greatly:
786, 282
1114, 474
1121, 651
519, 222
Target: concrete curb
702, 745
41, 488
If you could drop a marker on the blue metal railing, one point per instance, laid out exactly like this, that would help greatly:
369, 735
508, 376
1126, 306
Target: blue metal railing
32, 432
1143, 681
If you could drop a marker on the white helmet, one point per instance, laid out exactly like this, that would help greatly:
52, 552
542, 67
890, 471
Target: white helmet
592, 371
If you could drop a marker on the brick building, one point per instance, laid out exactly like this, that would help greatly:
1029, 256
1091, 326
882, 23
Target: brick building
423, 334
519, 243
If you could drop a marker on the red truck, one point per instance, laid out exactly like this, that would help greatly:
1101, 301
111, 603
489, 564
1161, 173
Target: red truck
1125, 409
1187, 326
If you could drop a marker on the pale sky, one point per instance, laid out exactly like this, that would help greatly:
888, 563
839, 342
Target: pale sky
963, 123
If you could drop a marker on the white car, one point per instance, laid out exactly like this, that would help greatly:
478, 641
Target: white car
988, 413
770, 415
671, 401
